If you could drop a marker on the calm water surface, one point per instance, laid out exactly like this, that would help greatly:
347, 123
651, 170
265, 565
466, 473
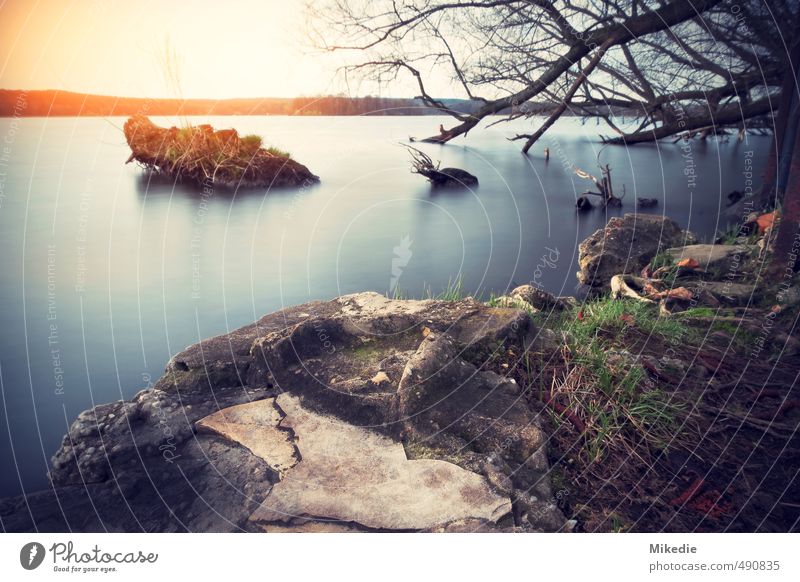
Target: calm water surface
107, 273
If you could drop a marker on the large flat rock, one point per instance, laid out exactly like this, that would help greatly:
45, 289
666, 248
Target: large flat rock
354, 475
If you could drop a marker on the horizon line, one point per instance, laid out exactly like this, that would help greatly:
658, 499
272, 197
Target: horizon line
110, 96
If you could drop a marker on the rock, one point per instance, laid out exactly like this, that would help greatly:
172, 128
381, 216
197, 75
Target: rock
730, 293
222, 154
734, 197
583, 203
255, 426
380, 378
353, 475
394, 381
532, 299
545, 341
539, 299
452, 178
626, 245
542, 514
716, 260
514, 303
647, 202
441, 393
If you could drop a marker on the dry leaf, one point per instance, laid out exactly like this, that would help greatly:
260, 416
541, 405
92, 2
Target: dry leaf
679, 293
765, 221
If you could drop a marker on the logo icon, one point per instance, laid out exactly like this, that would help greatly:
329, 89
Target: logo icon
402, 255
31, 555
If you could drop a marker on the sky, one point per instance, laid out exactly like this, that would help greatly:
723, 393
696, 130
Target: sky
236, 48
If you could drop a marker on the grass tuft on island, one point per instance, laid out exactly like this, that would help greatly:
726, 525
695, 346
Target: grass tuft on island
204, 156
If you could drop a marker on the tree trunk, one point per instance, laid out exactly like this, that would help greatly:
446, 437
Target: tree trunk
787, 243
786, 184
788, 127
728, 115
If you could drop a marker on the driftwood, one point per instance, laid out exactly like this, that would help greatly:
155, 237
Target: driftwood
606, 189
204, 156
422, 164
604, 185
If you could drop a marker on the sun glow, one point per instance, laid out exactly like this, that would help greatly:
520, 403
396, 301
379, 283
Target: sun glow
242, 49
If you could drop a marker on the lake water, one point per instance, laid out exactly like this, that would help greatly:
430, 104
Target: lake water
107, 273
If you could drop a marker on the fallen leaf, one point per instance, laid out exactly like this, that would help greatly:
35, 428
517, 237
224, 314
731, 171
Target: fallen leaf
679, 293
765, 221
650, 289
627, 318
426, 331
689, 263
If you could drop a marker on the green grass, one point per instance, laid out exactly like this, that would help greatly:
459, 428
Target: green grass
278, 152
697, 312
186, 133
365, 353
606, 386
729, 236
454, 291
620, 408
612, 316
733, 233
494, 300
252, 141
741, 335
398, 293
662, 259
618, 525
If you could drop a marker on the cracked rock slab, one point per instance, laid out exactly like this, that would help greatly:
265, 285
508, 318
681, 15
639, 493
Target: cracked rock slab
353, 475
255, 426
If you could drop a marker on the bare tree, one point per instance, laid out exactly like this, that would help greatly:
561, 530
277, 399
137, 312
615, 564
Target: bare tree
678, 66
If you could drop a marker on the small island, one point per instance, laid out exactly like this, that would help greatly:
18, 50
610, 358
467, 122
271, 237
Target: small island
201, 155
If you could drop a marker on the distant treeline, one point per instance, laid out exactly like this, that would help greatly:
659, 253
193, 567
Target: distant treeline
17, 103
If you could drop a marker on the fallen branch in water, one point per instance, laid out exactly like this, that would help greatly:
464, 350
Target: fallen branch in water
421, 163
